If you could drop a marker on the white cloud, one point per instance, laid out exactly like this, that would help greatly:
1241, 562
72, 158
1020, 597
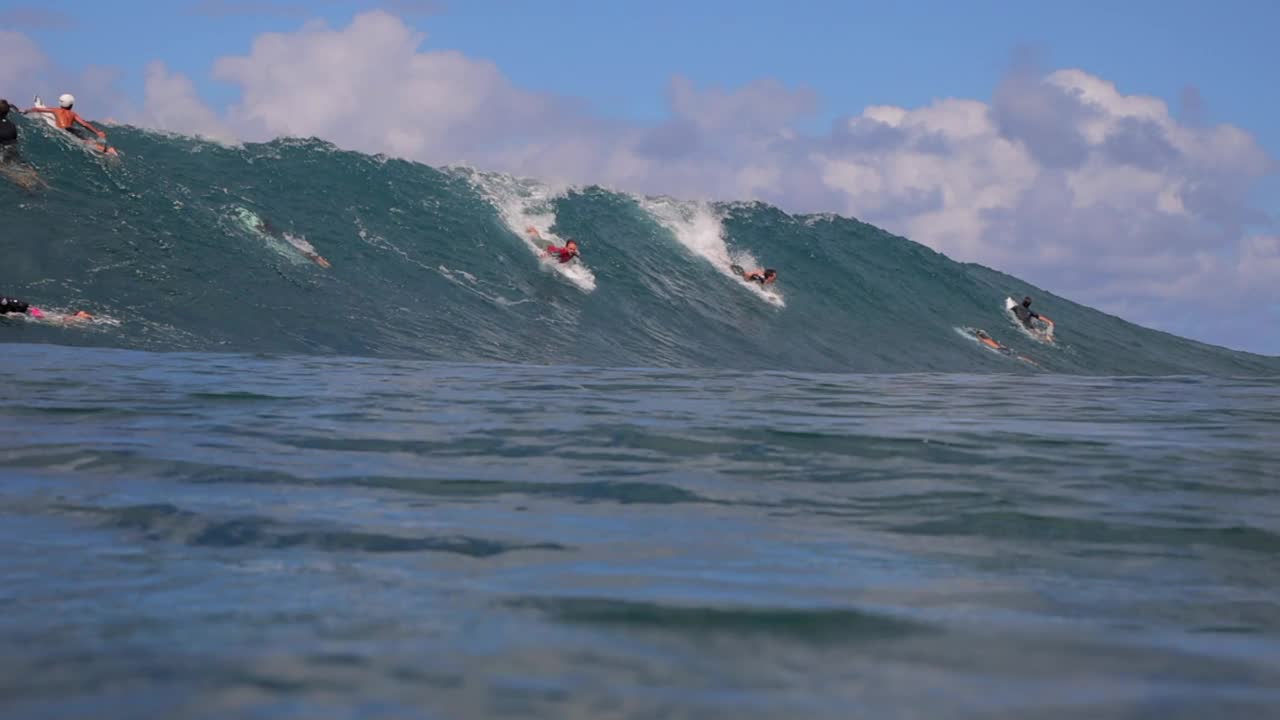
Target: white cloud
368, 87
21, 60
173, 104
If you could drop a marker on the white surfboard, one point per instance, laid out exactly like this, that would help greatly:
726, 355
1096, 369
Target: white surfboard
45, 118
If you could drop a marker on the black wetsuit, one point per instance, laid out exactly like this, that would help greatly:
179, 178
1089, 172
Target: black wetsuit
8, 132
8, 140
1025, 314
12, 305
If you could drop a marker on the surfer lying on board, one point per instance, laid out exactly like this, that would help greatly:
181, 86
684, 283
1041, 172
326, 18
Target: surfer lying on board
565, 254
990, 342
309, 252
68, 119
14, 305
1026, 314
767, 276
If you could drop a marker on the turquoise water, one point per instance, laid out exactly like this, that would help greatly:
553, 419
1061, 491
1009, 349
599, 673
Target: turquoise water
442, 479
433, 265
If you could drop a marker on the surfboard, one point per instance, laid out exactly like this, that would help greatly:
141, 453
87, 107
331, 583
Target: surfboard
51, 121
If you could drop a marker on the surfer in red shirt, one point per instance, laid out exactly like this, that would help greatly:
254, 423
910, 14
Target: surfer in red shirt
68, 119
565, 254
767, 276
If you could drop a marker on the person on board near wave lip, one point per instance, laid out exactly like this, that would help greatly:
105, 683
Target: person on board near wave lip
68, 119
565, 254
767, 276
1025, 314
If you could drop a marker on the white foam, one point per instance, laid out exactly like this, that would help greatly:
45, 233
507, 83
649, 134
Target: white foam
524, 203
300, 243
698, 227
472, 284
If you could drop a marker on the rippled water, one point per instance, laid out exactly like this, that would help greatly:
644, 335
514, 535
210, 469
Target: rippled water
212, 536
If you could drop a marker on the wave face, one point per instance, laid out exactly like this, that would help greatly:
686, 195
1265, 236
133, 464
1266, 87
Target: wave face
168, 247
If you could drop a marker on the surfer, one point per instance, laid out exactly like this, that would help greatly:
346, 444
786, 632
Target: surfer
67, 119
1025, 314
12, 166
767, 276
989, 341
565, 254
10, 305
8, 133
265, 227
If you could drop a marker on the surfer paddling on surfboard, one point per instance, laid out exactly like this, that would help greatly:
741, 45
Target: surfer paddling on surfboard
14, 305
767, 276
1025, 314
564, 254
264, 226
991, 342
67, 119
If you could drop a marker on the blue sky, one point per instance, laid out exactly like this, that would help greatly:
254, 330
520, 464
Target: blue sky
618, 55
605, 71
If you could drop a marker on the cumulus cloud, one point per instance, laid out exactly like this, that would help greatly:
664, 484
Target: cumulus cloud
21, 61
173, 104
26, 71
368, 87
1059, 177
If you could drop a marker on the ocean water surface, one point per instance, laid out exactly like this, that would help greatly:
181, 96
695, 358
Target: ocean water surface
212, 535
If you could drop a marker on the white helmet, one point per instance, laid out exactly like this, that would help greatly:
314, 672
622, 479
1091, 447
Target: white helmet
66, 100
